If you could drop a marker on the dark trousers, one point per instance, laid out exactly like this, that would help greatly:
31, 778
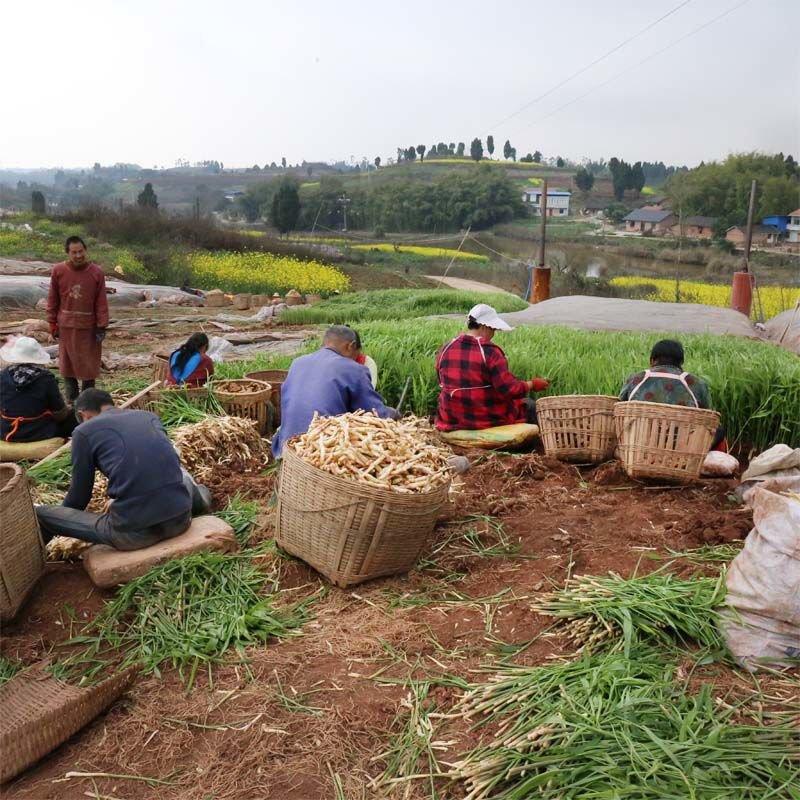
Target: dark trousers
100, 528
530, 411
71, 388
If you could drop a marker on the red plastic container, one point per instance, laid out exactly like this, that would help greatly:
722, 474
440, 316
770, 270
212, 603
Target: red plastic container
742, 292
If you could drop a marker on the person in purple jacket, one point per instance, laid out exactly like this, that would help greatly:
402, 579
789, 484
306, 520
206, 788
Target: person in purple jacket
328, 382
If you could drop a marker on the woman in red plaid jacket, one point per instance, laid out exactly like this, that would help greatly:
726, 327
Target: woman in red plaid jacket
477, 389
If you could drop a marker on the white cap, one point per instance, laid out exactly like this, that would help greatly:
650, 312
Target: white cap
486, 315
23, 350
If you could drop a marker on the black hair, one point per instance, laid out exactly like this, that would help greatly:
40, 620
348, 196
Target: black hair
187, 350
344, 333
667, 352
73, 240
93, 400
472, 324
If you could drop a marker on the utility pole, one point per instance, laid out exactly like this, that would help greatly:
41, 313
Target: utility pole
749, 236
743, 281
540, 286
344, 202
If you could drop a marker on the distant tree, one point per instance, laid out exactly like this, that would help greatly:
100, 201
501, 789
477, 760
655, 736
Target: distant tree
309, 170
616, 212
421, 150
411, 153
476, 150
97, 166
147, 198
790, 166
507, 149
377, 162
537, 157
778, 196
38, 205
619, 176
255, 168
451, 149
273, 165
637, 178
460, 150
283, 162
400, 154
527, 158
584, 180
490, 145
559, 162
285, 208
513, 153
441, 149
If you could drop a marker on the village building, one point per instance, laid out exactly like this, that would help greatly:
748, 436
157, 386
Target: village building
793, 227
649, 220
780, 221
557, 201
695, 227
764, 235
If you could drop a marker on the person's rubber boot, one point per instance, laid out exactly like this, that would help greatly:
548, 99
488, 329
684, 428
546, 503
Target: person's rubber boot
71, 390
201, 496
87, 385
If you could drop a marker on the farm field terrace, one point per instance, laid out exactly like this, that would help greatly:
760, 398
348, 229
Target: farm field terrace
274, 685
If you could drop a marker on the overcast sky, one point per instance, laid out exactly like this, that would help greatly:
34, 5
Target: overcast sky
250, 81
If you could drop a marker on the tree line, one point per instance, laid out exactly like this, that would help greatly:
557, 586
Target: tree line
722, 189
447, 203
458, 150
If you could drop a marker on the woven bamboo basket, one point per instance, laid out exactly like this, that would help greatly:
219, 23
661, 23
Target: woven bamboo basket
578, 427
663, 441
21, 548
275, 378
348, 531
250, 405
160, 366
40, 713
241, 302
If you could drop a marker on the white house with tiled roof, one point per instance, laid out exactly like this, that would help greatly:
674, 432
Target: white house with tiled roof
793, 227
557, 201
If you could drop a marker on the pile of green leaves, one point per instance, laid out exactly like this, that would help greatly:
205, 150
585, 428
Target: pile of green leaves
187, 613
620, 726
659, 608
55, 472
385, 304
241, 515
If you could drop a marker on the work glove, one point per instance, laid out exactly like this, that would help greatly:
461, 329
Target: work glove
539, 384
54, 330
99, 334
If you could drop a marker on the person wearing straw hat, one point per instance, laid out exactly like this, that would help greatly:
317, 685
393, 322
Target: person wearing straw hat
477, 389
31, 406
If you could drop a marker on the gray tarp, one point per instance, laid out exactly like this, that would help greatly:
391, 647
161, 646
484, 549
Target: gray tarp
785, 330
24, 291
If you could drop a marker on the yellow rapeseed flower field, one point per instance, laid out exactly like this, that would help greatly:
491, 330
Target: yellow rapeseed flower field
773, 299
265, 273
420, 250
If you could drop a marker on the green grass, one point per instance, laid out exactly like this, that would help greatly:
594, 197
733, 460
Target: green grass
46, 243
8, 669
755, 386
388, 304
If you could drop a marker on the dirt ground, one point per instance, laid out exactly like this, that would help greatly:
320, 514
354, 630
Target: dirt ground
305, 711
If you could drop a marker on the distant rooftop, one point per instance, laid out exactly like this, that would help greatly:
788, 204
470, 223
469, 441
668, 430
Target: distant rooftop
550, 192
756, 228
701, 222
648, 215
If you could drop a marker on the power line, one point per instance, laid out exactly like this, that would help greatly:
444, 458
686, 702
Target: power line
639, 63
594, 63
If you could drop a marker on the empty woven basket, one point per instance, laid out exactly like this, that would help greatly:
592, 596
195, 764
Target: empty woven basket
662, 441
40, 713
248, 404
21, 548
578, 427
348, 531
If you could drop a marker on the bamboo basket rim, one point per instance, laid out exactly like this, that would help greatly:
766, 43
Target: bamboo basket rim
258, 394
330, 481
647, 409
276, 375
18, 474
